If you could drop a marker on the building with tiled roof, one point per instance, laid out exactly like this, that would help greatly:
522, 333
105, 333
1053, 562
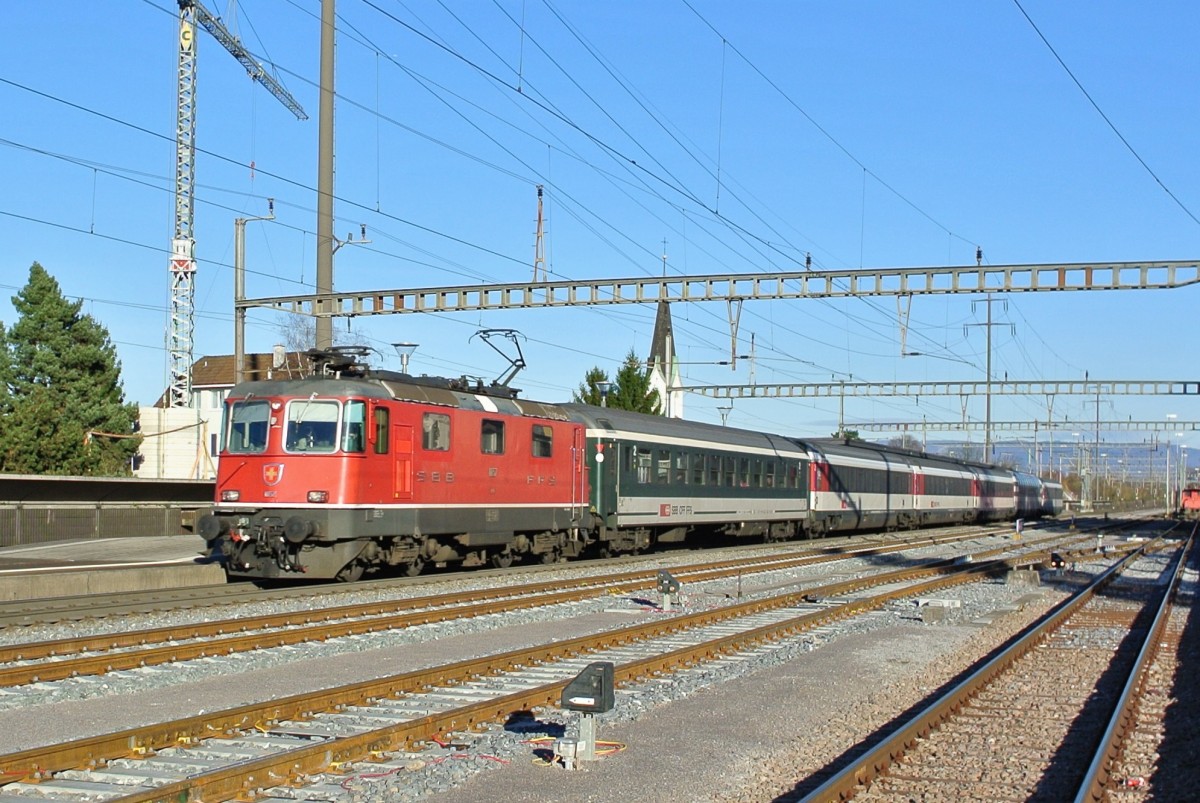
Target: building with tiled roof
183, 442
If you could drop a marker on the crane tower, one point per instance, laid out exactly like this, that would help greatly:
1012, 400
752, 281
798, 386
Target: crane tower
183, 244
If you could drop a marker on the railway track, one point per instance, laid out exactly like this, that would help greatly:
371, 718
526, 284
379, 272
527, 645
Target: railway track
305, 739
75, 656
1025, 724
26, 613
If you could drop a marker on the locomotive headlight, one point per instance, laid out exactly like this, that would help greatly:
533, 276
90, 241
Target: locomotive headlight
318, 497
230, 496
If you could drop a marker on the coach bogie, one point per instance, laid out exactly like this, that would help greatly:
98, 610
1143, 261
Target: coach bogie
625, 541
745, 529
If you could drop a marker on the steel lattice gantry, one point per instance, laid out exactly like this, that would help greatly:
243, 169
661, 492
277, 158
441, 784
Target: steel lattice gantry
1023, 426
996, 388
734, 287
183, 243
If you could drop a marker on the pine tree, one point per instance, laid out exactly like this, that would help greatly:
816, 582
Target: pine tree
65, 401
589, 391
630, 391
5, 377
633, 391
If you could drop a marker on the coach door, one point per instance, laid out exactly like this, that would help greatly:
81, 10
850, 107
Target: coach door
402, 445
579, 474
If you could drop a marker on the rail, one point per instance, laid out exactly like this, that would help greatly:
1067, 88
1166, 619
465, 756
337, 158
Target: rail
877, 761
1096, 781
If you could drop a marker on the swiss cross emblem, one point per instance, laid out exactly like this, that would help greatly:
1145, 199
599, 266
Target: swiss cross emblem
272, 473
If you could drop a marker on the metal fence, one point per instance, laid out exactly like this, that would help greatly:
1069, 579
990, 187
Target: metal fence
35, 509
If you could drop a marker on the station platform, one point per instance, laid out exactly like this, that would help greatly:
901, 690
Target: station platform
105, 565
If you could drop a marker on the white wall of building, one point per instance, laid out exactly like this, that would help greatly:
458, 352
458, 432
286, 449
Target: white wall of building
178, 443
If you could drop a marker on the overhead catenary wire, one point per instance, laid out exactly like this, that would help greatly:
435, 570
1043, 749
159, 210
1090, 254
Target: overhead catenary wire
768, 247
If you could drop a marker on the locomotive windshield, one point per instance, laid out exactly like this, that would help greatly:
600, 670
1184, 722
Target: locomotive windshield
247, 430
312, 425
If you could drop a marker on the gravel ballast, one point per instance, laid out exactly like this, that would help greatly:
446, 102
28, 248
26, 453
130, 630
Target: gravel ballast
731, 731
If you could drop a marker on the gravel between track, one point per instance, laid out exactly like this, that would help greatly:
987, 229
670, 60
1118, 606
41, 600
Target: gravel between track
734, 733
751, 738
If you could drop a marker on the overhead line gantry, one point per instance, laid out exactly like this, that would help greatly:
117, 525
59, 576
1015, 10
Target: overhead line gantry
1022, 426
1075, 387
738, 287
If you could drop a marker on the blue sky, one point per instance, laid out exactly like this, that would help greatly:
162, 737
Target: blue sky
868, 134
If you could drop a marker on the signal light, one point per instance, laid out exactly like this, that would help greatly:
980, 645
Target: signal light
230, 496
318, 497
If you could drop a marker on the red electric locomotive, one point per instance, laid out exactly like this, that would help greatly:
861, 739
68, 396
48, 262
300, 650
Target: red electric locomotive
330, 475
1189, 502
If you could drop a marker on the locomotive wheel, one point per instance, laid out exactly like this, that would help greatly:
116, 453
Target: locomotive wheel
550, 557
413, 568
502, 560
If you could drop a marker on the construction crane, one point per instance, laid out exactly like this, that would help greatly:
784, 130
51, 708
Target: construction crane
183, 244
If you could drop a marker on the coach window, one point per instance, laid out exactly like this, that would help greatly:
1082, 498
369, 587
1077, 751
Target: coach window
381, 430
640, 462
247, 430
743, 478
662, 466
353, 423
729, 466
492, 436
769, 474
756, 473
435, 432
543, 440
680, 475
697, 468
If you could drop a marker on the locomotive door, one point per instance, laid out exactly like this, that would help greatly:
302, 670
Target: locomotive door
402, 483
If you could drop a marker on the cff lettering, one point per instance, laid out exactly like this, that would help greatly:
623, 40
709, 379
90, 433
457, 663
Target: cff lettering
665, 510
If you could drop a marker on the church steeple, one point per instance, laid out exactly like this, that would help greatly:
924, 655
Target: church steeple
664, 366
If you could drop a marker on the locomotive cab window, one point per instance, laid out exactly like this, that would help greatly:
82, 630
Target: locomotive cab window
543, 441
355, 426
312, 426
247, 426
435, 432
381, 430
492, 436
